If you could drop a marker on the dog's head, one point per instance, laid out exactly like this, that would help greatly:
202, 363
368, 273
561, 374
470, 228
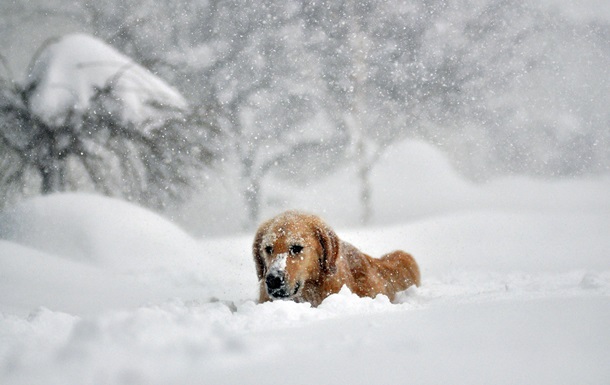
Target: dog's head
290, 250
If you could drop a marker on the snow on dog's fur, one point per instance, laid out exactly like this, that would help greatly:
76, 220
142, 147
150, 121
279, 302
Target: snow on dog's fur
299, 257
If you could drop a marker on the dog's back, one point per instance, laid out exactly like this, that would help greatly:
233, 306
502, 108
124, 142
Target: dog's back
388, 275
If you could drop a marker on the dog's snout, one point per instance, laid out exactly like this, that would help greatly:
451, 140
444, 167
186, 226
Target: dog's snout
275, 281
277, 285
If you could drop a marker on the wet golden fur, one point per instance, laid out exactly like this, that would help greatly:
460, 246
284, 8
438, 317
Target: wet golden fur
324, 263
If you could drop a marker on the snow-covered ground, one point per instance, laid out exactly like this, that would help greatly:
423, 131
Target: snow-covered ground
516, 290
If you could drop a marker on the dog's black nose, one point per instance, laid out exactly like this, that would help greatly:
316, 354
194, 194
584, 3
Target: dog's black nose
274, 282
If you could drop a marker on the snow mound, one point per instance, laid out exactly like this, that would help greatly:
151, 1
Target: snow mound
104, 231
30, 279
413, 179
68, 72
87, 254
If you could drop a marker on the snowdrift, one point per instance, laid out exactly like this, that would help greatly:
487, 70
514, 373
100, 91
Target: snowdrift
86, 254
105, 231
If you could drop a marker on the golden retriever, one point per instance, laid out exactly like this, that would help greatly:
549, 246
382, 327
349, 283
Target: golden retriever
298, 257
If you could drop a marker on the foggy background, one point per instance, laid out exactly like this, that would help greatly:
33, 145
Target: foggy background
284, 97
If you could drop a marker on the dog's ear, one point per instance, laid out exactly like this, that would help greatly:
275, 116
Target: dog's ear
329, 241
256, 251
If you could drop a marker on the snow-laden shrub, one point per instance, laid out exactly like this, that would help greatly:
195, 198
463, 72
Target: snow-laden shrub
89, 118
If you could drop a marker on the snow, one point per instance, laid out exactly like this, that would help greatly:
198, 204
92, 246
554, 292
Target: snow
68, 71
97, 229
516, 287
279, 265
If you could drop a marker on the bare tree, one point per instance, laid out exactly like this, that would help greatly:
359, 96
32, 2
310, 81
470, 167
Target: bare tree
365, 46
257, 86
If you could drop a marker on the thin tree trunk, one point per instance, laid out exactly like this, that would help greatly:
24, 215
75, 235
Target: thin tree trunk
251, 191
368, 156
252, 200
366, 189
359, 75
52, 178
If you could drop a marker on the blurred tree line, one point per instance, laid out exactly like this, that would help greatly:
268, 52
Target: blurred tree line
299, 88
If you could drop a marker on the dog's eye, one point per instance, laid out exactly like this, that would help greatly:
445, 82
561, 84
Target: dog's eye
295, 249
268, 249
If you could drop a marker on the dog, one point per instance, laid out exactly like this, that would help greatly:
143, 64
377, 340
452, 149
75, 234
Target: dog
299, 257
